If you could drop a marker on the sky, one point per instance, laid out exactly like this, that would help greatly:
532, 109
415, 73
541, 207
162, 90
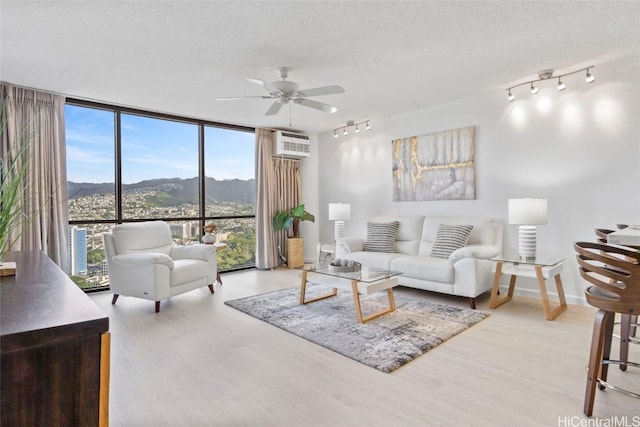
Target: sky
151, 148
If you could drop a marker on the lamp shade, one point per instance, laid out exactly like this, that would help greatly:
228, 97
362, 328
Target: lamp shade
528, 211
339, 211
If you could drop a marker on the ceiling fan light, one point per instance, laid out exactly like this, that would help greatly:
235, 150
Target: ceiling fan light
561, 86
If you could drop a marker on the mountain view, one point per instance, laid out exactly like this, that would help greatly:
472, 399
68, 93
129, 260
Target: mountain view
175, 191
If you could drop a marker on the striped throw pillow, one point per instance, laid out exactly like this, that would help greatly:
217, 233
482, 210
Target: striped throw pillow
381, 236
449, 238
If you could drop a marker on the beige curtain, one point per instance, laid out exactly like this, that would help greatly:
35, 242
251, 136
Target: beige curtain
279, 186
266, 249
37, 118
288, 189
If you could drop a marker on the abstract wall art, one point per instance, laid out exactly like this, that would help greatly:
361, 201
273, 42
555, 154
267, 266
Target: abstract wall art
436, 166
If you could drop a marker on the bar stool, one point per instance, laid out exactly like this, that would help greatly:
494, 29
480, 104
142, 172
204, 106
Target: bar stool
615, 273
628, 323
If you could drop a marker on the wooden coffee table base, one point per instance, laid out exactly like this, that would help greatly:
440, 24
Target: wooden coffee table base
387, 285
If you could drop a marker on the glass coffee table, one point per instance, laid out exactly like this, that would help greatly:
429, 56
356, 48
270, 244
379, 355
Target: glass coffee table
363, 282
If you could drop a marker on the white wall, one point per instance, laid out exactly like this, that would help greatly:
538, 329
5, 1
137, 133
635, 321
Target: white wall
579, 148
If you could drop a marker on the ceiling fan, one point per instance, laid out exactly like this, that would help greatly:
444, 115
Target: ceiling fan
284, 91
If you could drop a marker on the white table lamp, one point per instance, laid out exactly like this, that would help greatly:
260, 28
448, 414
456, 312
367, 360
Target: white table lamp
339, 212
527, 213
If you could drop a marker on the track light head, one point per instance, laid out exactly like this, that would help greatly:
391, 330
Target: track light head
510, 96
335, 133
589, 78
561, 86
534, 89
344, 132
368, 127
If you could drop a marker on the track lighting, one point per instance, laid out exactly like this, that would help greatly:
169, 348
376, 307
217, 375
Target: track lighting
548, 75
351, 123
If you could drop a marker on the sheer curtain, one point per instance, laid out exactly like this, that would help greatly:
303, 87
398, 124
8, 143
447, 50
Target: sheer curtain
38, 118
279, 186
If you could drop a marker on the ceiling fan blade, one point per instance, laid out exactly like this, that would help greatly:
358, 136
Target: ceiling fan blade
265, 85
230, 98
324, 90
315, 104
275, 107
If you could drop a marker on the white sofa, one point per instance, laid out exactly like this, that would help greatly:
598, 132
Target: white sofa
144, 262
467, 272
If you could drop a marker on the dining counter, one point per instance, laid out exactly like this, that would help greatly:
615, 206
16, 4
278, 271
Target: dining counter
629, 236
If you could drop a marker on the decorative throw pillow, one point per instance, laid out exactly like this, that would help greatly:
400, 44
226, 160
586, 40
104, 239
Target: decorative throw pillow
449, 238
381, 236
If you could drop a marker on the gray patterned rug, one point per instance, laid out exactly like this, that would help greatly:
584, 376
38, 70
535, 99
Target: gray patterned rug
385, 343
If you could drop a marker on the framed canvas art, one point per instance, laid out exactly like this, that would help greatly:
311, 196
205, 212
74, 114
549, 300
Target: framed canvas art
436, 166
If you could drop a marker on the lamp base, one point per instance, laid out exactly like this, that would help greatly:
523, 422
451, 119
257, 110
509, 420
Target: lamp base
338, 230
527, 236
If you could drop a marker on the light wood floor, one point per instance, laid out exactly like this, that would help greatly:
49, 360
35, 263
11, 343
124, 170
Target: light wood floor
201, 363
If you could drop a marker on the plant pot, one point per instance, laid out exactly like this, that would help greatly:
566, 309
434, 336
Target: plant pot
295, 252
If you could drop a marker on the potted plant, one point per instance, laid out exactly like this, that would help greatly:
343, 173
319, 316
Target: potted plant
13, 169
290, 220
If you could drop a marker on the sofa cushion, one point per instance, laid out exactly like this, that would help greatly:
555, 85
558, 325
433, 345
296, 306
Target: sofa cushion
409, 232
424, 267
450, 238
381, 236
482, 233
381, 260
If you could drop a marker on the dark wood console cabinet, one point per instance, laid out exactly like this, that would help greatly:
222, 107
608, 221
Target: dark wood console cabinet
55, 348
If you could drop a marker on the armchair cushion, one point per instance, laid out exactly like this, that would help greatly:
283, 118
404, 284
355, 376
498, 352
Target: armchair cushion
142, 260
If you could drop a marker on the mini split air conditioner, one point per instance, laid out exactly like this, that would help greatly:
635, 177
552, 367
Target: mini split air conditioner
292, 145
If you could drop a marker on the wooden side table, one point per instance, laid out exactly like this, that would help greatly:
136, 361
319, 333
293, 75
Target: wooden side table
541, 269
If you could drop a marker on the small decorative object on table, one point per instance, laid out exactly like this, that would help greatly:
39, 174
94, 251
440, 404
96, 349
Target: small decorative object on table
344, 266
209, 237
7, 268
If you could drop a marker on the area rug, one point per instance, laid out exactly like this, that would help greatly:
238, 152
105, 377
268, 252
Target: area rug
385, 343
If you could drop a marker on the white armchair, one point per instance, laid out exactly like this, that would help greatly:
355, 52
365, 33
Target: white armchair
144, 262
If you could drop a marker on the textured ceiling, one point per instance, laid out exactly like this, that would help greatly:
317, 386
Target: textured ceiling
178, 57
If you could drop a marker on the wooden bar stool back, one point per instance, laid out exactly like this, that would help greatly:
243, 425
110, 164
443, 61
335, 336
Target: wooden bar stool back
614, 272
628, 322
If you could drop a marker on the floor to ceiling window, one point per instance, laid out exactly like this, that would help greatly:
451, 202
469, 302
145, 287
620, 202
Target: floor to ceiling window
127, 165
